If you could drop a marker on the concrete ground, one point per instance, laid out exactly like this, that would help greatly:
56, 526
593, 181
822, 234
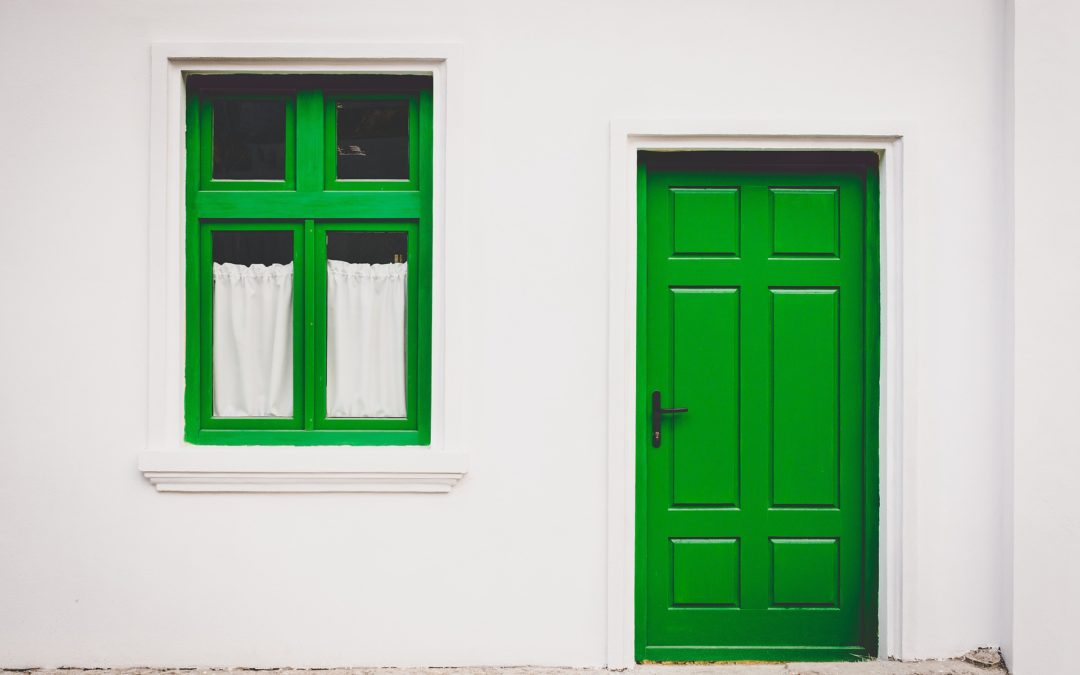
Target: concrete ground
950, 667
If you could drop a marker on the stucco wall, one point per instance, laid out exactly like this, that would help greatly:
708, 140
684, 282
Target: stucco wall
1047, 527
510, 568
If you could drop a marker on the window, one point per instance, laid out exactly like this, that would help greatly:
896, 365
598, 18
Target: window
308, 260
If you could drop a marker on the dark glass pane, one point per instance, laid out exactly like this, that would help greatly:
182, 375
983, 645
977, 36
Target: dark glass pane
367, 247
373, 140
249, 140
253, 248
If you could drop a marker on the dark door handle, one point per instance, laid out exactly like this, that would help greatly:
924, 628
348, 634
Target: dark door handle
657, 417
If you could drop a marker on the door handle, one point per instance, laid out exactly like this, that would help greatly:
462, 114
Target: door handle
657, 417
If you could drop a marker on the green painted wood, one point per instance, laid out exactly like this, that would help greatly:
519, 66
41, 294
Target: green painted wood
868, 618
309, 142
307, 203
193, 295
710, 572
758, 311
723, 654
805, 397
301, 437
300, 205
313, 303
424, 274
804, 221
705, 333
717, 205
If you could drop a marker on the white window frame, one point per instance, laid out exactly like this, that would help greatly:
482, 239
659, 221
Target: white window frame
172, 465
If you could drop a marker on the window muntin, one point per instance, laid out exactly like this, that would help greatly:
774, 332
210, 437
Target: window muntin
229, 223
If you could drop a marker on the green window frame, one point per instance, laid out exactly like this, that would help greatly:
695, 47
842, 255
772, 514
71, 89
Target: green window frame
309, 202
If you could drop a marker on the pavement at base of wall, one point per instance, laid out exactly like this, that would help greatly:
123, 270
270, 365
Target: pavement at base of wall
949, 667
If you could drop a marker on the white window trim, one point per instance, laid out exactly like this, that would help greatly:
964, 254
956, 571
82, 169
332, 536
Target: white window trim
898, 384
172, 465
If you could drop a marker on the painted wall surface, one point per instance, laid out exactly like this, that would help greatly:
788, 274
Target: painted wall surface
510, 568
1047, 457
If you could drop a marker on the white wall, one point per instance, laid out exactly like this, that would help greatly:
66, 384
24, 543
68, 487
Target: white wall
98, 569
1047, 528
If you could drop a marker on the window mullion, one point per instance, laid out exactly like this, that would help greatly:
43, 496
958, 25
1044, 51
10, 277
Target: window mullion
309, 324
309, 141
309, 178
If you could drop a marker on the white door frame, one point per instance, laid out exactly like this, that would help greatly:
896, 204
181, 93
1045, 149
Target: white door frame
629, 137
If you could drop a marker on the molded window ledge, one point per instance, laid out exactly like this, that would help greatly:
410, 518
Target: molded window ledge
230, 469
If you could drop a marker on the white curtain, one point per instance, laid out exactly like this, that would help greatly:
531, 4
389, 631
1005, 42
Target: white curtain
365, 339
253, 340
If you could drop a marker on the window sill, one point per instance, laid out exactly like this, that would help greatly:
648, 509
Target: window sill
313, 469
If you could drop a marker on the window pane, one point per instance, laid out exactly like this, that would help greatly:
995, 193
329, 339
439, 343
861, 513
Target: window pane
249, 140
253, 324
366, 324
367, 247
373, 139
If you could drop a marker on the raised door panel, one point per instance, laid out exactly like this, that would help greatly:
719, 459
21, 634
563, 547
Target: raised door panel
705, 368
805, 386
705, 221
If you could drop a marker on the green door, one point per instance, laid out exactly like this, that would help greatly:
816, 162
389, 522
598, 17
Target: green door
757, 505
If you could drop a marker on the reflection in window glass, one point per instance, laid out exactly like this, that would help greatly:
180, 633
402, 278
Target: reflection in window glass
249, 140
366, 286
253, 324
373, 140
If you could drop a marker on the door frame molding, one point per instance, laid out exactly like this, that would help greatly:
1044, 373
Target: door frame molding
628, 137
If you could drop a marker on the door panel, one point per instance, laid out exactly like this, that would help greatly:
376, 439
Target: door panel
753, 510
705, 354
805, 422
706, 221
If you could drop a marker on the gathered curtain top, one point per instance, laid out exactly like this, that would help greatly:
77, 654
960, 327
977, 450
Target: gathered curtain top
233, 271
335, 267
367, 270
